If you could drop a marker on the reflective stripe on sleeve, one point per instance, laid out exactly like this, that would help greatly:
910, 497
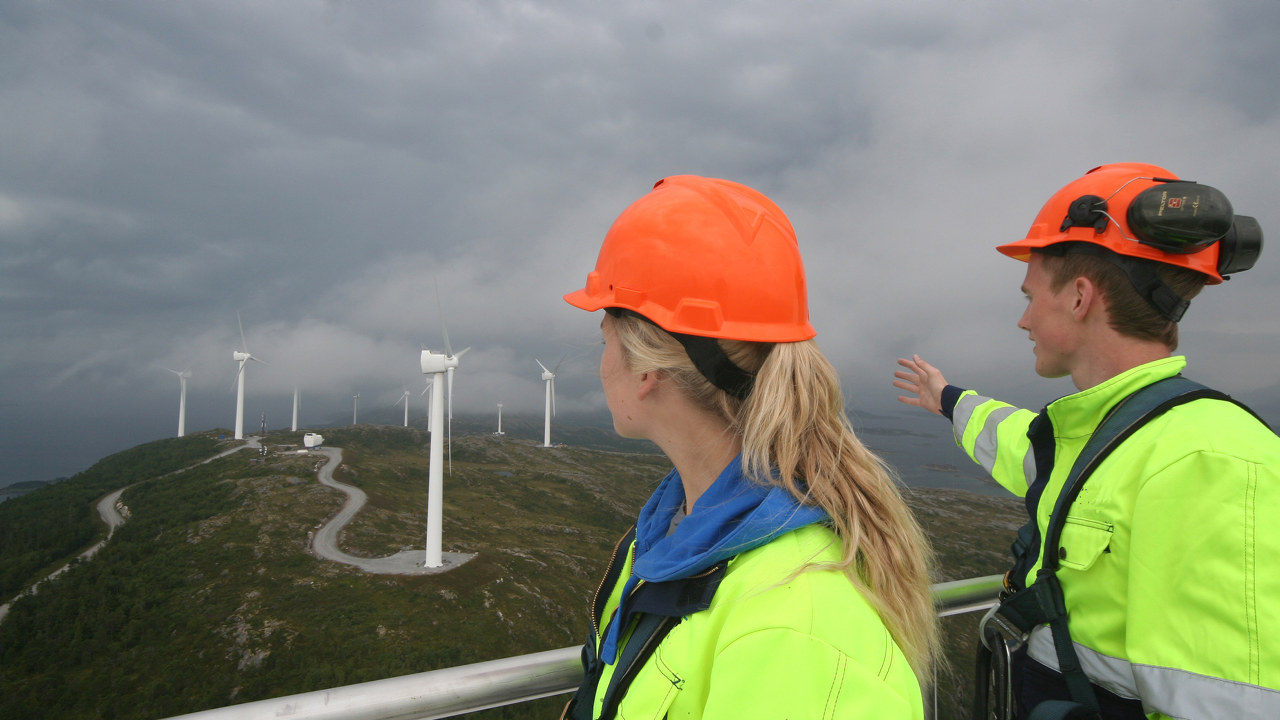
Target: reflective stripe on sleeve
985, 450
1171, 691
987, 444
1029, 466
962, 413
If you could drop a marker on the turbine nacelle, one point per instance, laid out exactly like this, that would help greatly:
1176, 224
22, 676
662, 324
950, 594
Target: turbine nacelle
433, 362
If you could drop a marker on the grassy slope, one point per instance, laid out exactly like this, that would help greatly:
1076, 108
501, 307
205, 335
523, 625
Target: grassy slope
208, 594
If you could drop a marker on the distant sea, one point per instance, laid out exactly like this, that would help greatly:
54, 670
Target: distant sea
921, 449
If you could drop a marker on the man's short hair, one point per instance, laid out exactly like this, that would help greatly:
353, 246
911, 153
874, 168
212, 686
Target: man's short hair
1128, 313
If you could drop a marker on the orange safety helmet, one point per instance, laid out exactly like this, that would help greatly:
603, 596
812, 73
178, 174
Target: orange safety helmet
1144, 211
703, 257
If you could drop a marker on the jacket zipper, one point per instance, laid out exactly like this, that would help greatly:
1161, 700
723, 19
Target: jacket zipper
595, 600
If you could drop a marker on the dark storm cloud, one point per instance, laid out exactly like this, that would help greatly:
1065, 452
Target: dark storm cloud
322, 167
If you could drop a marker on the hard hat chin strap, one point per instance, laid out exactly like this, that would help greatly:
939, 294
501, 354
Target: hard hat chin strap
1142, 275
715, 365
707, 356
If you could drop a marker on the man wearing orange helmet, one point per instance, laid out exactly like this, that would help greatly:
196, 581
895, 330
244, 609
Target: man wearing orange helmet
776, 571
1141, 585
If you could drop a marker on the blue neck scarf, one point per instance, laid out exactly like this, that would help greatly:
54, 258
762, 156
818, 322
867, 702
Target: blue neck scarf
734, 515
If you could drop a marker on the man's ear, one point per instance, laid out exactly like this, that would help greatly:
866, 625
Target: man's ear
1086, 298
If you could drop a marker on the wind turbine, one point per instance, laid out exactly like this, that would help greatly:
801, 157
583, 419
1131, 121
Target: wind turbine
438, 366
499, 419
550, 377
241, 356
355, 408
404, 399
295, 408
182, 400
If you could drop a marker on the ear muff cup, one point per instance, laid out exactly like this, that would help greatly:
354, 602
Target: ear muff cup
1180, 217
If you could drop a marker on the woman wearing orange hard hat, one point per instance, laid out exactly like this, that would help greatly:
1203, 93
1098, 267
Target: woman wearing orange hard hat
775, 571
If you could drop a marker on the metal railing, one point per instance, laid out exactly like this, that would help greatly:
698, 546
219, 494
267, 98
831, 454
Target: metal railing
480, 686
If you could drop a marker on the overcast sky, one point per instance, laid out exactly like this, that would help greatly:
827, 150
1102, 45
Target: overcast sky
319, 166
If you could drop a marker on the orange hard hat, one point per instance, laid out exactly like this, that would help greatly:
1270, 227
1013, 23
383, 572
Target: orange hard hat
704, 257
1144, 211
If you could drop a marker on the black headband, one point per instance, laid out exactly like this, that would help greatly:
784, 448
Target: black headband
707, 356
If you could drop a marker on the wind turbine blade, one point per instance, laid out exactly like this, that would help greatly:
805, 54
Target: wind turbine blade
553, 396
544, 367
236, 379
244, 346
449, 428
449, 393
462, 352
559, 363
448, 349
264, 362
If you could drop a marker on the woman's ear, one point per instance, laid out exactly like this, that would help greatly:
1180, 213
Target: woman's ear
648, 383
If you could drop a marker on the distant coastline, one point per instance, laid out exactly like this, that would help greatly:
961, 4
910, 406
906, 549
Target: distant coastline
19, 489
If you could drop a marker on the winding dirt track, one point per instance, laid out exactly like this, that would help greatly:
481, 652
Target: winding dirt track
108, 510
325, 542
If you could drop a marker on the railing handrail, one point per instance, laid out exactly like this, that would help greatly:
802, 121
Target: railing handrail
480, 686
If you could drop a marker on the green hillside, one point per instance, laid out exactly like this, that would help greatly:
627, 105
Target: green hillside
208, 595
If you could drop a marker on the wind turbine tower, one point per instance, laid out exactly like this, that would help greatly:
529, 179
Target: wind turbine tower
241, 356
438, 366
427, 391
295, 408
499, 419
355, 408
550, 377
182, 400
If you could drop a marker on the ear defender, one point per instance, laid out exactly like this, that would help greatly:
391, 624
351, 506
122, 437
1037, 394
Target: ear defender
1185, 217
1180, 217
1240, 247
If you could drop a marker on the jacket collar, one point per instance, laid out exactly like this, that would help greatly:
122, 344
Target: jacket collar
734, 515
1080, 413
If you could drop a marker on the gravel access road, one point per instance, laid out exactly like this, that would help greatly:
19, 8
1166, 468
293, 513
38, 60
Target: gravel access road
325, 542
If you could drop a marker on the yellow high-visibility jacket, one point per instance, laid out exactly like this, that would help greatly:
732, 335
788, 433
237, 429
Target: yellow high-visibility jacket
768, 643
1169, 556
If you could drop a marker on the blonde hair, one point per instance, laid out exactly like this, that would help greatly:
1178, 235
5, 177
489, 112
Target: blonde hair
795, 435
